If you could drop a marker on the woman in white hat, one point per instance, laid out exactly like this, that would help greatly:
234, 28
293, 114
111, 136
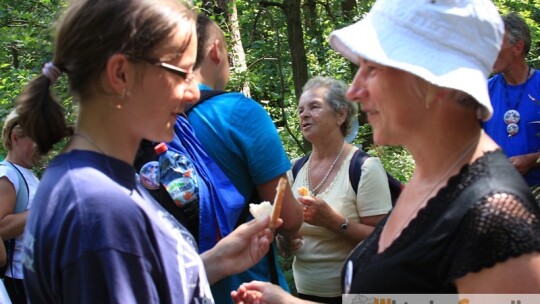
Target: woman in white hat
466, 221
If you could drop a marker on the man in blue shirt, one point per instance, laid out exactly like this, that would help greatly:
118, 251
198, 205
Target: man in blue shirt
515, 96
241, 138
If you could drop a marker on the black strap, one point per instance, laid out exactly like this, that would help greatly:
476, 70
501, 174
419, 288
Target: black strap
355, 172
205, 95
299, 164
355, 168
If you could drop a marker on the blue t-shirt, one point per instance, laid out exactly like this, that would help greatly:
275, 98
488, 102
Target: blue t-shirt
96, 236
527, 140
241, 138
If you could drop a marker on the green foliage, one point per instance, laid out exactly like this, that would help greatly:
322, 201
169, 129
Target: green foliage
26, 43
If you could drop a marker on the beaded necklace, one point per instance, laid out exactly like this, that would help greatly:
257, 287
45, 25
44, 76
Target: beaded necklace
308, 173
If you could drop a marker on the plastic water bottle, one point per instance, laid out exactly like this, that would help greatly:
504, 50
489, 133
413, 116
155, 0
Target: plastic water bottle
176, 174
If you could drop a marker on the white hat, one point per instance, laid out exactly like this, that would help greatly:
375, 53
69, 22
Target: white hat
450, 43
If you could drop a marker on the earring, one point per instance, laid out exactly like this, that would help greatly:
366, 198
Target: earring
122, 97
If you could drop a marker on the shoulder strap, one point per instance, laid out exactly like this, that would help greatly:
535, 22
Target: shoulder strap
205, 95
355, 168
355, 172
22, 199
299, 164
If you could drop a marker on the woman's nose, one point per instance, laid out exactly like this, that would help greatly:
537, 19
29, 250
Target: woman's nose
357, 91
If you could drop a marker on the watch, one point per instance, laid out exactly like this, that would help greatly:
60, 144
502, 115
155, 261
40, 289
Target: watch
344, 227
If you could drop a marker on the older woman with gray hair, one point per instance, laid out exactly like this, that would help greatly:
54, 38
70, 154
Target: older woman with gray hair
337, 215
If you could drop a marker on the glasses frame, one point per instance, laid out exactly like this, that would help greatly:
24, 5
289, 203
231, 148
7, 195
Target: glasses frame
184, 74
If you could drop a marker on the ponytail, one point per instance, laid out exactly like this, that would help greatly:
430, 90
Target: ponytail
41, 116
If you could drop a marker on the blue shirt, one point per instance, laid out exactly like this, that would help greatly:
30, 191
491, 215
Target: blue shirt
527, 140
241, 138
96, 236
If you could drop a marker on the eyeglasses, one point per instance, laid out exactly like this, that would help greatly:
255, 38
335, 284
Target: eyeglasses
186, 75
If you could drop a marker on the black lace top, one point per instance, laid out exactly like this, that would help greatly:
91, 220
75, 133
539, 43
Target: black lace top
484, 215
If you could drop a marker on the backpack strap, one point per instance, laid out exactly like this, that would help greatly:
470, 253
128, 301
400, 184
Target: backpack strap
355, 168
355, 172
205, 95
22, 196
299, 164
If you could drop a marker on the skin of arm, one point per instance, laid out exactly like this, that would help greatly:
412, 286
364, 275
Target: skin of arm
8, 197
524, 163
515, 275
13, 225
240, 250
319, 213
291, 211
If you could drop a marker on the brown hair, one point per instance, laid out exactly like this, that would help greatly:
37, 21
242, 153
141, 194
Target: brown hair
88, 34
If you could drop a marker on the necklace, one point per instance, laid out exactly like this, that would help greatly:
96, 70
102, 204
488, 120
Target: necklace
87, 139
316, 189
466, 151
512, 116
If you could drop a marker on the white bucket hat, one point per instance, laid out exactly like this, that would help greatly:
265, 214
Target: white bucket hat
450, 43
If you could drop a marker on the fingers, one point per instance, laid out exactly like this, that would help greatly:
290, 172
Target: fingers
255, 285
245, 296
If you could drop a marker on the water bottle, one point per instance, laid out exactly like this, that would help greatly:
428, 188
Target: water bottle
177, 175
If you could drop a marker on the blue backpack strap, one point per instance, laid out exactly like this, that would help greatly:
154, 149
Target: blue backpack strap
22, 196
299, 164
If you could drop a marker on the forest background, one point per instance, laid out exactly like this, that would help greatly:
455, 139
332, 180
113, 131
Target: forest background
275, 47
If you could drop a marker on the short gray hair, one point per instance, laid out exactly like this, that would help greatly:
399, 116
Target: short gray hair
517, 30
335, 96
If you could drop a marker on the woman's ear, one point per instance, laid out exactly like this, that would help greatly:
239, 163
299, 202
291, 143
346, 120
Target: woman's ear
118, 75
341, 116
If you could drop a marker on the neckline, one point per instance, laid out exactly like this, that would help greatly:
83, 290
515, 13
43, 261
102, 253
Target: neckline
346, 160
430, 206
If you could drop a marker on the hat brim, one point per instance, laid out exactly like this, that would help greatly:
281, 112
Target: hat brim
399, 47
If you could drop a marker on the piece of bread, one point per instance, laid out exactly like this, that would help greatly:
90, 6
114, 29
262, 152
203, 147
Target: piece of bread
278, 201
303, 191
260, 211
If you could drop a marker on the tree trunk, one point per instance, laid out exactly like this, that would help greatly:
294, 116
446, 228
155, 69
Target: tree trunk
349, 9
296, 44
313, 26
216, 8
237, 54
